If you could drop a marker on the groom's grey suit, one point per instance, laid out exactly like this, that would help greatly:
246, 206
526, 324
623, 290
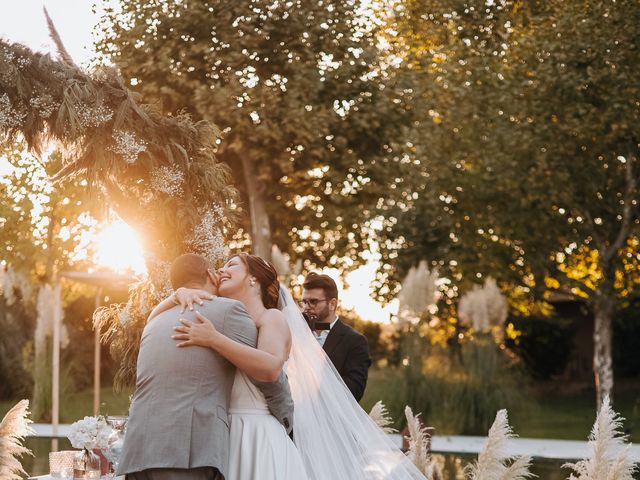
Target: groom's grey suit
178, 417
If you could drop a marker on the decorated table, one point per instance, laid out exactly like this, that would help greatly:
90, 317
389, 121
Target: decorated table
99, 442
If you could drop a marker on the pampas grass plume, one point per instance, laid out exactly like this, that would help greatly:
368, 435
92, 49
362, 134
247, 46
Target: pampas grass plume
13, 428
380, 415
491, 463
483, 307
418, 442
609, 458
419, 290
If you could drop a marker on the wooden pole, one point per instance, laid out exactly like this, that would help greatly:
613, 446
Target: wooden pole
96, 360
55, 367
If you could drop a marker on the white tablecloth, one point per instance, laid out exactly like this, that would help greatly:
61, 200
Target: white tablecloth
49, 477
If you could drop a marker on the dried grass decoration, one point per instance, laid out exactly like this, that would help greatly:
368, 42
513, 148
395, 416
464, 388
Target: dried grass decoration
158, 172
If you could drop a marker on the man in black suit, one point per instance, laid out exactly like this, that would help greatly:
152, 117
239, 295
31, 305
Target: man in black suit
347, 349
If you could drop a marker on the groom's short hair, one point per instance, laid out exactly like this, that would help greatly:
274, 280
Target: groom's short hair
189, 269
325, 282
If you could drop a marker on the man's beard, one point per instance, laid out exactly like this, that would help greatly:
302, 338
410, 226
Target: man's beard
323, 315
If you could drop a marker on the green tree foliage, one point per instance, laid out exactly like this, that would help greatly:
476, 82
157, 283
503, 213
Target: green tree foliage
529, 148
17, 325
45, 230
373, 331
307, 104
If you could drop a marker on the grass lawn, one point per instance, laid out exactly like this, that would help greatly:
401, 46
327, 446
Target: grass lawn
550, 411
79, 404
570, 416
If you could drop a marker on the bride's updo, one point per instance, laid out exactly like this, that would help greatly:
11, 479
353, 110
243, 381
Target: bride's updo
266, 275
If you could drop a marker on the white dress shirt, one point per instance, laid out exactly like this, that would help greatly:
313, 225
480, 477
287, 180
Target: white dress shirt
322, 336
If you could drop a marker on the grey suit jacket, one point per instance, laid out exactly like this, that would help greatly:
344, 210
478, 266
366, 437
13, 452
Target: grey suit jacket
178, 416
278, 397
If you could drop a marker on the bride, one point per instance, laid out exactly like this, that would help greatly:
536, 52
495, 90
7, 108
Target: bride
259, 447
334, 436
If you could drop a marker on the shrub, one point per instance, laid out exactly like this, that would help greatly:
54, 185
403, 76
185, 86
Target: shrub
543, 344
626, 338
17, 328
457, 391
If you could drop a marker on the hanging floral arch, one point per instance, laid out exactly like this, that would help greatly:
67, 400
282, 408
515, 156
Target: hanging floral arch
158, 172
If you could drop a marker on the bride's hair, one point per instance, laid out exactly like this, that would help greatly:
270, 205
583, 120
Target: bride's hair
266, 276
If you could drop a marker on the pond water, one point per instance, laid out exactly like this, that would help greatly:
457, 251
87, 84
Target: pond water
452, 465
545, 469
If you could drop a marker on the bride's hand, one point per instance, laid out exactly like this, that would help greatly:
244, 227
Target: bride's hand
186, 297
201, 332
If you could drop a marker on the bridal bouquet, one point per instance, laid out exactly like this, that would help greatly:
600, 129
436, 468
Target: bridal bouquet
90, 433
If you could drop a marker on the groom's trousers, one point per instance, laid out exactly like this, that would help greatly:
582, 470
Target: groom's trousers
203, 473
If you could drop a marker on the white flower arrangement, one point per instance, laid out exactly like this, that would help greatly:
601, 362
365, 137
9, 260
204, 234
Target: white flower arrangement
90, 433
168, 180
127, 144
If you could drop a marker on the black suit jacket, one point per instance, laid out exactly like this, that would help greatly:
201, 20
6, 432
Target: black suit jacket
349, 353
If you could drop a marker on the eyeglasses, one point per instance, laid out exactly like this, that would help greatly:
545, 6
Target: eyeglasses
311, 302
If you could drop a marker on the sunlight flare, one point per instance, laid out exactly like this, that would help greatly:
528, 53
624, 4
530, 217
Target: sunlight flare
119, 248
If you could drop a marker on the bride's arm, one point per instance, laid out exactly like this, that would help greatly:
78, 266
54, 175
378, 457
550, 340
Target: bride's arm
185, 297
262, 363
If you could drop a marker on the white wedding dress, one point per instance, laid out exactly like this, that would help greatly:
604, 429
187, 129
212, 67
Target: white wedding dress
335, 438
260, 448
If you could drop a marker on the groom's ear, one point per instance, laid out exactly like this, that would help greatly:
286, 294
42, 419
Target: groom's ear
334, 303
213, 278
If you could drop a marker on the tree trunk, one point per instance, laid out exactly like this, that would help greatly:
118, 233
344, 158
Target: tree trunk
602, 338
260, 227
604, 304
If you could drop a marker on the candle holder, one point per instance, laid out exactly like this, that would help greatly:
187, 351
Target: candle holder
61, 464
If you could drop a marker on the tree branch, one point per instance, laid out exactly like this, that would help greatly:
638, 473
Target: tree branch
607, 253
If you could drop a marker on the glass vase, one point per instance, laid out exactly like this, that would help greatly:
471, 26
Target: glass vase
115, 442
86, 464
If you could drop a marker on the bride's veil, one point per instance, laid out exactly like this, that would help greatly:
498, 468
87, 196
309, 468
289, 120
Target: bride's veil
335, 436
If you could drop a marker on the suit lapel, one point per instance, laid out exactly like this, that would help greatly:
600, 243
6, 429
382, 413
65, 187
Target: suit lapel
334, 337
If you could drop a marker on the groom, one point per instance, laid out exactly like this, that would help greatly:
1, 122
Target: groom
178, 426
347, 349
